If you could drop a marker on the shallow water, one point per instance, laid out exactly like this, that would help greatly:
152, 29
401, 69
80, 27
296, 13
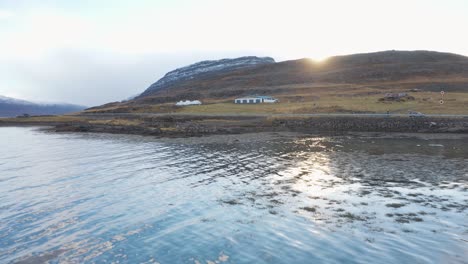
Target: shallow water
267, 198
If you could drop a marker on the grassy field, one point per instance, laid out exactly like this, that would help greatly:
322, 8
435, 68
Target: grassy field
320, 98
454, 103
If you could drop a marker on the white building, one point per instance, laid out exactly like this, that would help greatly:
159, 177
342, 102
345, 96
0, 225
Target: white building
188, 102
255, 100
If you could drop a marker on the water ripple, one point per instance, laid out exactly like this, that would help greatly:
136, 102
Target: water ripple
74, 198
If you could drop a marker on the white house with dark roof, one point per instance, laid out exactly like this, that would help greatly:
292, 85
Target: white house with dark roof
255, 100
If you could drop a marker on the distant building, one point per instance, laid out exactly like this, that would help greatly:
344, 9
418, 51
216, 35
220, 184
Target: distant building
23, 116
188, 102
255, 100
395, 96
415, 90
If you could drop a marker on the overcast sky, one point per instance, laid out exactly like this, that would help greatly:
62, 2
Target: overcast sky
92, 52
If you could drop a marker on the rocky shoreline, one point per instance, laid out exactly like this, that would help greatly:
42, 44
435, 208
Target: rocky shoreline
196, 126
377, 124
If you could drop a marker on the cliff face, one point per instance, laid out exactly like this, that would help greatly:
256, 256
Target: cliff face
205, 68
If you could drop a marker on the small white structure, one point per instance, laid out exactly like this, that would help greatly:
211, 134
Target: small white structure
188, 102
255, 100
395, 95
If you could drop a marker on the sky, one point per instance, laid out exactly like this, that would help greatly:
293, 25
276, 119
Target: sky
92, 52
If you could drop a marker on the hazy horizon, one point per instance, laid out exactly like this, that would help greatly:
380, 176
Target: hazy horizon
94, 53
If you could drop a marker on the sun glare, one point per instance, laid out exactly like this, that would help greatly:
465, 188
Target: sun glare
319, 59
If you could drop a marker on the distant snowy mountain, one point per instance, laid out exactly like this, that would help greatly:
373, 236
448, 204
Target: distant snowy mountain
9, 100
10, 107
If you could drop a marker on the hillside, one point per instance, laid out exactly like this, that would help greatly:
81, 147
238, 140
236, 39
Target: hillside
10, 107
204, 69
341, 83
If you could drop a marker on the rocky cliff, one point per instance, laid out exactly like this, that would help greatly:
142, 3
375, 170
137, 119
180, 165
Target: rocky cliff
205, 68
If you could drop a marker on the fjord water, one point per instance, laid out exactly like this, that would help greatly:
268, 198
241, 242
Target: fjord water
266, 198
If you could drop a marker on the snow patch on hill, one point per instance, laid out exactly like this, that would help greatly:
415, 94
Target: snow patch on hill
207, 67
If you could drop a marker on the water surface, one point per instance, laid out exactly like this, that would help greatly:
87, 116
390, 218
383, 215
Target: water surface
266, 198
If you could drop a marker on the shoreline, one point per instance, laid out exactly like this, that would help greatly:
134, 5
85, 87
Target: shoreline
196, 126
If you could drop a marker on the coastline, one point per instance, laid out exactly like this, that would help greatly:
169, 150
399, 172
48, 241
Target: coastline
171, 126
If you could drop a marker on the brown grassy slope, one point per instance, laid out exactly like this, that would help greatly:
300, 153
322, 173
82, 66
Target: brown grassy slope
368, 69
341, 82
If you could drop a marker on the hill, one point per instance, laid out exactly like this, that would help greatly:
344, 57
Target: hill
10, 107
340, 83
204, 69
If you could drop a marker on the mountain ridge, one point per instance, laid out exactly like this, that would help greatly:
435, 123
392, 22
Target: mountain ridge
10, 107
355, 69
205, 68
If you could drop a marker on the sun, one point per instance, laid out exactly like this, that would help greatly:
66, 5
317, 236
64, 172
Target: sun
318, 59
